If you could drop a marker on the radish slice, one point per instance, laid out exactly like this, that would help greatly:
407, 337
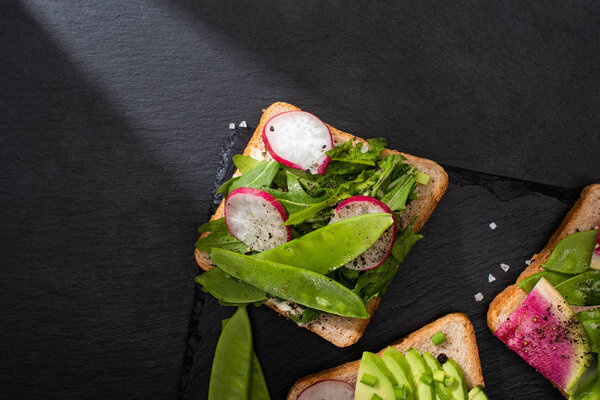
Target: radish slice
299, 140
255, 218
376, 254
329, 390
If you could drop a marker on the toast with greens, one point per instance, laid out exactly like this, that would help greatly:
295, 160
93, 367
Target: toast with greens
310, 187
451, 337
547, 317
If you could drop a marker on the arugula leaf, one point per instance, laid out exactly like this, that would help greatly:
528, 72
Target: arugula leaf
350, 158
308, 315
261, 175
295, 199
245, 163
224, 188
218, 225
376, 281
399, 191
404, 242
343, 192
222, 240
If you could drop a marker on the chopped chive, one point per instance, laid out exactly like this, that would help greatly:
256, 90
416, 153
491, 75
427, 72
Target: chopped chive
425, 378
369, 380
422, 178
438, 338
376, 397
440, 394
474, 391
399, 393
449, 381
439, 375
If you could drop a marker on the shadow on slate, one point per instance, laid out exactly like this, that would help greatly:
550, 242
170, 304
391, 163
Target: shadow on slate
441, 275
508, 88
95, 238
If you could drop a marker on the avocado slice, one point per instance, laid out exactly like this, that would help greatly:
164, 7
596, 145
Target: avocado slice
458, 390
419, 367
399, 367
373, 366
441, 392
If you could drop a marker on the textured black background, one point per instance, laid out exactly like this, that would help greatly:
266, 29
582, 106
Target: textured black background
113, 118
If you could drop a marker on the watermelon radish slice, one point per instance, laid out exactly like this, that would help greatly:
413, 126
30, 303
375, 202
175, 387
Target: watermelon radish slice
255, 217
329, 389
299, 140
596, 253
544, 331
376, 254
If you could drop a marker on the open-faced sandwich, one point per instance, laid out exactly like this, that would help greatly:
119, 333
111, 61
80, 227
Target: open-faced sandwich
439, 361
315, 223
548, 317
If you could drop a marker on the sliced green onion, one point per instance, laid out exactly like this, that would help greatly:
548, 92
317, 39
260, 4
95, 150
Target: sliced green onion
376, 397
369, 380
426, 379
439, 375
449, 381
422, 178
438, 338
399, 392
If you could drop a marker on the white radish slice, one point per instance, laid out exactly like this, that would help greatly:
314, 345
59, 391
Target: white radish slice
375, 255
329, 389
299, 140
255, 217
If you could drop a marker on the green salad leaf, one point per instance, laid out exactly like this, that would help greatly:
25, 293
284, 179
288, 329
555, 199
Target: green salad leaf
257, 177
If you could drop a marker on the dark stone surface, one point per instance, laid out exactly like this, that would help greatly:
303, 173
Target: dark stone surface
113, 118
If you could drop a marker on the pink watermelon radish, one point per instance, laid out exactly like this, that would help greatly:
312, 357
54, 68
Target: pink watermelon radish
376, 254
329, 389
544, 331
255, 217
596, 253
299, 140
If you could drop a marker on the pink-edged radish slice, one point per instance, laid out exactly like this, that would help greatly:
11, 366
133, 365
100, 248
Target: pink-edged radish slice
381, 249
595, 264
255, 217
329, 389
299, 140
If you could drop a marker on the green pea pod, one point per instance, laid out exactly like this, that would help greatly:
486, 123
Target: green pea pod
291, 283
328, 248
258, 384
582, 289
592, 329
232, 363
554, 278
590, 314
573, 254
227, 289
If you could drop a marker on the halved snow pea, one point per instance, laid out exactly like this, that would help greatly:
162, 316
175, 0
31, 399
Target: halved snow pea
328, 248
232, 363
228, 289
554, 278
258, 384
582, 289
573, 253
291, 283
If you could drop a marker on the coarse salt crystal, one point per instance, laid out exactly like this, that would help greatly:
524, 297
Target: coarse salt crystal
493, 225
505, 267
491, 278
528, 262
232, 126
243, 124
479, 296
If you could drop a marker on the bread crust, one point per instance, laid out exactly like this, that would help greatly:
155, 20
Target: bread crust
460, 345
584, 215
344, 331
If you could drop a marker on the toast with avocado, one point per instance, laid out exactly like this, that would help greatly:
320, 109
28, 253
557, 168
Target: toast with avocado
548, 316
441, 359
294, 213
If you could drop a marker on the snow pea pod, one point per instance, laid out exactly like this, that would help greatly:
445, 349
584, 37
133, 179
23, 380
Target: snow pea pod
332, 246
582, 289
573, 253
592, 329
232, 363
258, 384
554, 278
298, 285
227, 289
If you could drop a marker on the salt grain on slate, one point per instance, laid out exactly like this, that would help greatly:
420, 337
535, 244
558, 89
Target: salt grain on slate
504, 267
491, 278
493, 225
528, 262
232, 126
243, 124
479, 296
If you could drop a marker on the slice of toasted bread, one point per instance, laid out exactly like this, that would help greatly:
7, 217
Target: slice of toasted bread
344, 331
584, 215
460, 345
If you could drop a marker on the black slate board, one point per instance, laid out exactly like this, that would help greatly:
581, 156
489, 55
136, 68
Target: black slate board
113, 116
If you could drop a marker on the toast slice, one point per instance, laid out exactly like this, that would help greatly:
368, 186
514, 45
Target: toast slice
344, 331
584, 215
460, 345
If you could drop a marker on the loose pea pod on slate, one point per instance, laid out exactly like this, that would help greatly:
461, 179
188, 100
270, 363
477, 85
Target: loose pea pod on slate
572, 254
291, 283
582, 289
